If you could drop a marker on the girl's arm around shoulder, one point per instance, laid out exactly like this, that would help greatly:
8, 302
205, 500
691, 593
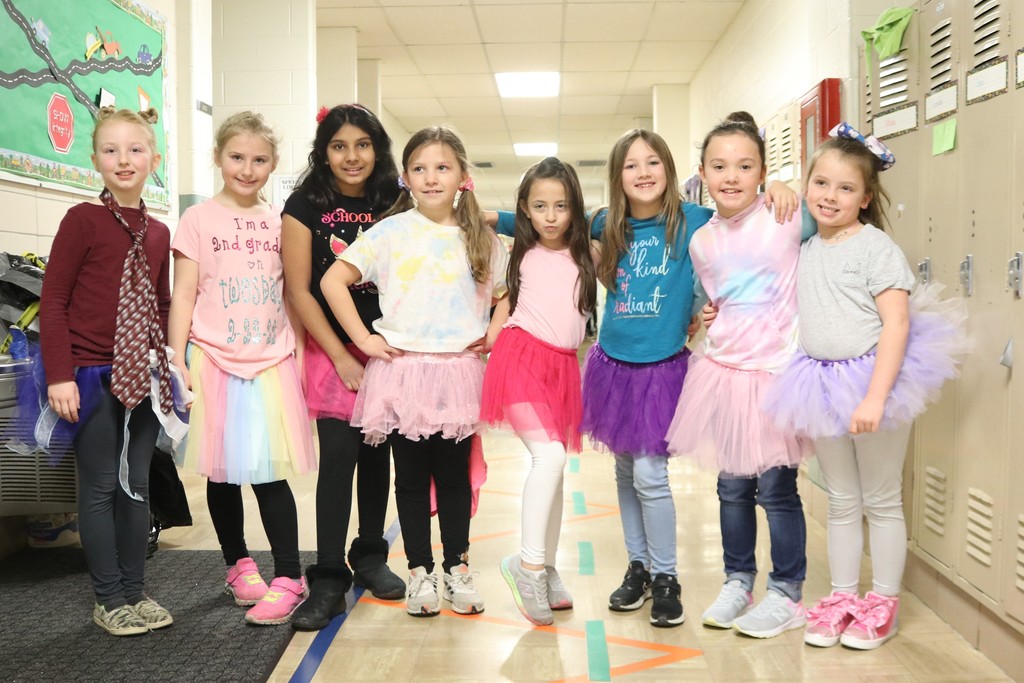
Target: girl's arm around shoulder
894, 311
781, 196
335, 283
808, 226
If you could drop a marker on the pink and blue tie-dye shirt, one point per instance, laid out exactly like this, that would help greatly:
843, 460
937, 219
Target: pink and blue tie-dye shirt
747, 265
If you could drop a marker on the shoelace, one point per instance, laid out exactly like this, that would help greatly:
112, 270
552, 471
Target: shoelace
555, 582
830, 610
417, 587
873, 611
463, 583
730, 594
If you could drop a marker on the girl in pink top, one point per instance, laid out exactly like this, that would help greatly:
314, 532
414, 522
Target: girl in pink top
532, 381
228, 321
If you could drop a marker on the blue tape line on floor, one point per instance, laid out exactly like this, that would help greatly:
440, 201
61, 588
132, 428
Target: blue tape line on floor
598, 667
579, 503
574, 465
318, 648
586, 553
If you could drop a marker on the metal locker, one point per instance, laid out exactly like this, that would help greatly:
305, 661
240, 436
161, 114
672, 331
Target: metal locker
1012, 578
782, 147
985, 157
939, 25
892, 93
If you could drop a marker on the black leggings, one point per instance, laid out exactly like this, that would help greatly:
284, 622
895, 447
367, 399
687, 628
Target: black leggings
341, 450
280, 521
447, 461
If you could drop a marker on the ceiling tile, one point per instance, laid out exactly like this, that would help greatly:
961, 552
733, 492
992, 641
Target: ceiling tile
449, 59
464, 85
472, 106
371, 24
415, 106
447, 25
713, 17
577, 84
524, 56
598, 56
674, 55
405, 86
528, 23
606, 22
597, 104
531, 125
530, 106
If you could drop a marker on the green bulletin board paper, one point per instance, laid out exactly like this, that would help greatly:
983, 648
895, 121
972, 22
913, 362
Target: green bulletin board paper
44, 64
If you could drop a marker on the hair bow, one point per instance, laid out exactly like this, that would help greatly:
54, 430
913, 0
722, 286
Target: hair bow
467, 185
402, 185
322, 114
885, 157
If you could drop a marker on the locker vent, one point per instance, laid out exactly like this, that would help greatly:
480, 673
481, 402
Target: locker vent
987, 30
940, 55
772, 148
893, 79
1019, 574
786, 149
936, 496
869, 112
980, 526
29, 484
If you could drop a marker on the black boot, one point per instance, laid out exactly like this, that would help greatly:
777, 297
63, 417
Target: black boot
369, 562
327, 589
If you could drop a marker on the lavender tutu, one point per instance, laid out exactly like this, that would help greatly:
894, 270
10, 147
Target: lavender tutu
419, 394
816, 398
627, 407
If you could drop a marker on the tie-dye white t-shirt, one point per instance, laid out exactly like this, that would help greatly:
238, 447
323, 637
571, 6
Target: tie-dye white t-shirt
428, 298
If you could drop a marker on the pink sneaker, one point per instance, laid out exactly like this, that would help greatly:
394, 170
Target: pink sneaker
276, 607
244, 582
827, 620
874, 622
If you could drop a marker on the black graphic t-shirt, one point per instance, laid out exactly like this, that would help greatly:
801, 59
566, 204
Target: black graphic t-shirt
333, 232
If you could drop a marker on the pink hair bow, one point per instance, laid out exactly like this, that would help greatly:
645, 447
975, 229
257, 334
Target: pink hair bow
468, 185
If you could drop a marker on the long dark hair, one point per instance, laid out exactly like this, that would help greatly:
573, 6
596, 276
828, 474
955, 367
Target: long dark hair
737, 122
577, 236
318, 184
617, 233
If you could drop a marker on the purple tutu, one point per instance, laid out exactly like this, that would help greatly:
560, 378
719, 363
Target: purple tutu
627, 407
816, 398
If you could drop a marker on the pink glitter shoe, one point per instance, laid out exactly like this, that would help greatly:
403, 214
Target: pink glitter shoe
244, 582
827, 620
276, 607
874, 622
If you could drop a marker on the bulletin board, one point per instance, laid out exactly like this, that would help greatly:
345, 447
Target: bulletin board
61, 61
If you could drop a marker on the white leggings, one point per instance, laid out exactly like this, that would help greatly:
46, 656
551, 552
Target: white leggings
542, 502
864, 477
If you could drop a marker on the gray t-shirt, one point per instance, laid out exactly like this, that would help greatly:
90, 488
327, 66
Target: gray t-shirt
836, 292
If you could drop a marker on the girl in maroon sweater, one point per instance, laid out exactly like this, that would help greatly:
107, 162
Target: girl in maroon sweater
103, 322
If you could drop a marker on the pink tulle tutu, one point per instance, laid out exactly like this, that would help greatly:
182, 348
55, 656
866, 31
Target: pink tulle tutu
247, 431
419, 394
816, 398
720, 424
326, 395
533, 388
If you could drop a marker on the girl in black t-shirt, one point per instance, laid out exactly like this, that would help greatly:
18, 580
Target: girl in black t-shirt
350, 180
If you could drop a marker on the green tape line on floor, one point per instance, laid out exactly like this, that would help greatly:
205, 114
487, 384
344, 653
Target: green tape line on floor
586, 552
574, 465
598, 668
579, 503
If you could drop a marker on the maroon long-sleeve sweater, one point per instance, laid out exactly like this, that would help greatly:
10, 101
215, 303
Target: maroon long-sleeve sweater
78, 310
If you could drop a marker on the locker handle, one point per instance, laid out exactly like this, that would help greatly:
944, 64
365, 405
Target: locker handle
967, 274
924, 270
1013, 274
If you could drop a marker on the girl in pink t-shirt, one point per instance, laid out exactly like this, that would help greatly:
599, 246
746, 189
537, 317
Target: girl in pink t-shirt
228, 322
532, 381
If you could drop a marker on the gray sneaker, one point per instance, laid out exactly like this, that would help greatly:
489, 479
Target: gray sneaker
460, 591
733, 601
421, 597
775, 614
530, 590
153, 614
559, 596
120, 621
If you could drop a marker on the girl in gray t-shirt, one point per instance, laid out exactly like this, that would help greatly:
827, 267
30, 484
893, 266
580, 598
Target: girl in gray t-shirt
872, 356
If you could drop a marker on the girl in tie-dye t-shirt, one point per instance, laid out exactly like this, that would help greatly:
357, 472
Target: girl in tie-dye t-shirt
438, 269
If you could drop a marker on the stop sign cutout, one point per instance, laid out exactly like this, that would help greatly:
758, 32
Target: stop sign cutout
60, 123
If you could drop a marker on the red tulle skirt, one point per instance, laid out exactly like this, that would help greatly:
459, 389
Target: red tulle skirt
533, 388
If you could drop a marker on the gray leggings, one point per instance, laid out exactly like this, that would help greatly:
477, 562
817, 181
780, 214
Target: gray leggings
114, 526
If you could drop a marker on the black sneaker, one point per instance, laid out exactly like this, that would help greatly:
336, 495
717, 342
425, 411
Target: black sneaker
667, 609
634, 591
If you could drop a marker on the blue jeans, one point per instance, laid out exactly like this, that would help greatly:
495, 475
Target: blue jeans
775, 491
648, 511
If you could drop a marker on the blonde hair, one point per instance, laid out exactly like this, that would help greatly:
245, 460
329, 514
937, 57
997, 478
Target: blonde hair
145, 119
245, 122
477, 237
858, 155
617, 234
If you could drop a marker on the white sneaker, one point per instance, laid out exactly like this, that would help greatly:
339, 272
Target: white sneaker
559, 596
421, 597
460, 591
733, 601
772, 616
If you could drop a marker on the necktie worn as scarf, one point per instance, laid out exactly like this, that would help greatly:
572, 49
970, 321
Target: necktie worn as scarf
138, 322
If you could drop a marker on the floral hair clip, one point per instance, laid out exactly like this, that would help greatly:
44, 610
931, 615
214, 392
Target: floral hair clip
322, 114
885, 157
402, 185
468, 185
